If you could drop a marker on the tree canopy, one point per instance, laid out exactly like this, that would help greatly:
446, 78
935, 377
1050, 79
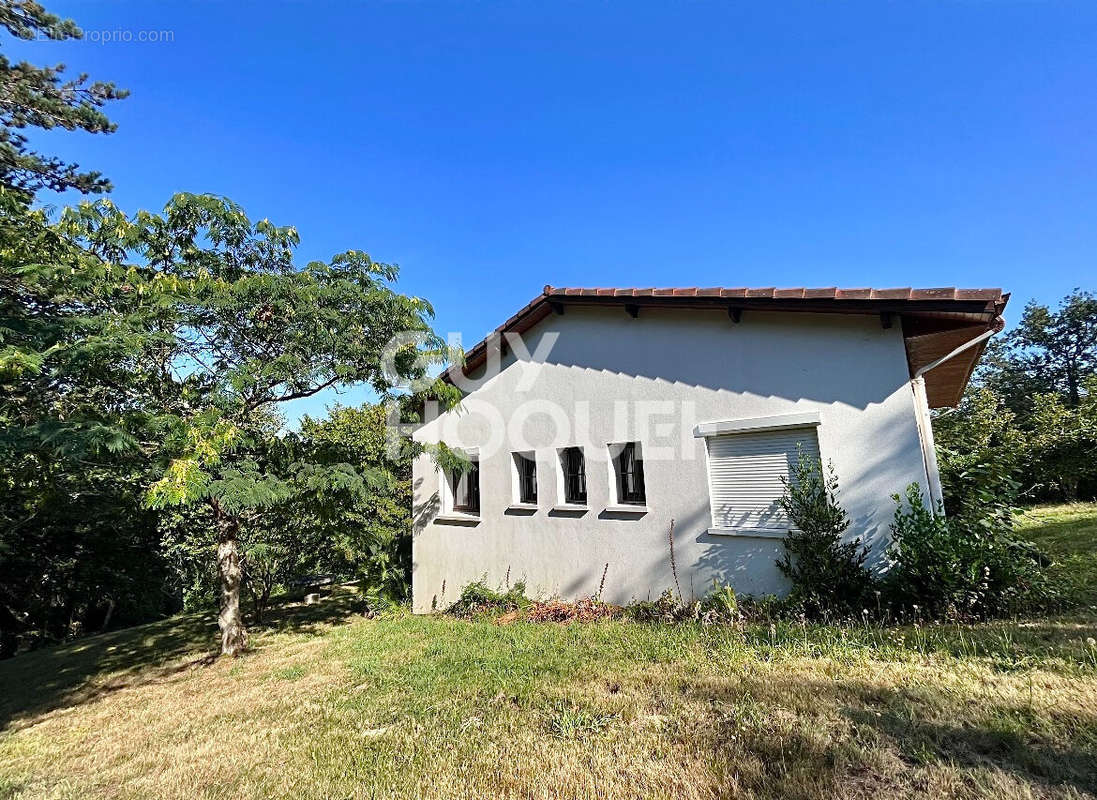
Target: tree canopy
1027, 426
40, 97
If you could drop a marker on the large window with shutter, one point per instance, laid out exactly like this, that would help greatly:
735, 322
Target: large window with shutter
745, 472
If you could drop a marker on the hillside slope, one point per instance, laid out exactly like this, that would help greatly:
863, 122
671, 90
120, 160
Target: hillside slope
331, 704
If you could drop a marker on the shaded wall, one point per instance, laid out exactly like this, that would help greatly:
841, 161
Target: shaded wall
654, 378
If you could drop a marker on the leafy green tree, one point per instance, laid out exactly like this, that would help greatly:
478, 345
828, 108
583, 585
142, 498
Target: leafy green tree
1002, 372
1061, 345
70, 522
312, 529
372, 531
176, 336
249, 330
1050, 351
980, 453
40, 97
1036, 429
71, 517
828, 575
1063, 442
141, 362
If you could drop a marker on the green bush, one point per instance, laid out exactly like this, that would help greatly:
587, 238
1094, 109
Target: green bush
962, 566
666, 608
721, 604
979, 455
828, 575
478, 598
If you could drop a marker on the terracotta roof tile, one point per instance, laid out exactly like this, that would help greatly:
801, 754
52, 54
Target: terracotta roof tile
945, 293
936, 306
892, 294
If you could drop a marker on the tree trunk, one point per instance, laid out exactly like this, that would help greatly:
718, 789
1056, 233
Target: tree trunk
107, 616
234, 638
1072, 386
1069, 485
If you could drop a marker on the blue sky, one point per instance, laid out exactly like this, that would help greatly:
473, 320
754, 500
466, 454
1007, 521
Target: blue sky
491, 148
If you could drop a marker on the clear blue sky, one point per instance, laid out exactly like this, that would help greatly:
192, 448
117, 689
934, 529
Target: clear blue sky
491, 148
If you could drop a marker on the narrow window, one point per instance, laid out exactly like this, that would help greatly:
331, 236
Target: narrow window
630, 475
575, 476
466, 489
525, 468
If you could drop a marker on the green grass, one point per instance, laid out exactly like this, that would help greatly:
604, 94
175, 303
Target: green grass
1068, 533
331, 704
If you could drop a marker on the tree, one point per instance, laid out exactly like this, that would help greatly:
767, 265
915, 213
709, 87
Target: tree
980, 454
1051, 351
70, 521
39, 97
236, 329
77, 549
371, 531
1063, 441
828, 575
317, 527
175, 336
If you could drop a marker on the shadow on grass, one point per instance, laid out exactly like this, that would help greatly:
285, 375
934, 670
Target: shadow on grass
1063, 536
82, 671
1069, 535
925, 725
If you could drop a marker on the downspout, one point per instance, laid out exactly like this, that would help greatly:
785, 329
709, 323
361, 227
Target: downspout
925, 426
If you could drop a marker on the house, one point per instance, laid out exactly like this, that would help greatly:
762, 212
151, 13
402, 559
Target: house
595, 418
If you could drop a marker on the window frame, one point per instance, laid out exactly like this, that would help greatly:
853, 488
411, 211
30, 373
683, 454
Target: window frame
577, 476
469, 504
524, 475
619, 475
809, 422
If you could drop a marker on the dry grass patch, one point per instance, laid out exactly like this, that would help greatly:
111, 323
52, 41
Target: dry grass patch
435, 707
330, 704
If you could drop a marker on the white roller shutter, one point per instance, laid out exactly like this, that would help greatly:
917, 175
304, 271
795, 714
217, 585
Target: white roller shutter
745, 471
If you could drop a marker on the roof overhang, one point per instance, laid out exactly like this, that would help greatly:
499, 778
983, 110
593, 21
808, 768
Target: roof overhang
934, 322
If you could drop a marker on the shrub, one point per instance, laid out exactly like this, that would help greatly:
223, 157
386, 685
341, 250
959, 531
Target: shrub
962, 566
665, 609
762, 609
979, 452
721, 605
477, 598
589, 609
829, 578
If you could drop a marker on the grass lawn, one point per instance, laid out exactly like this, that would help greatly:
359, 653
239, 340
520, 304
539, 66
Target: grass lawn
1068, 533
330, 704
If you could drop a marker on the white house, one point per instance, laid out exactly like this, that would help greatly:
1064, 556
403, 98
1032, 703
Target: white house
595, 418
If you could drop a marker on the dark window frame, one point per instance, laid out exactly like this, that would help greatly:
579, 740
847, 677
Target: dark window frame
631, 489
466, 489
526, 466
574, 465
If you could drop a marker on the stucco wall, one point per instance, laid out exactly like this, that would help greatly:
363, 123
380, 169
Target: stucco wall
653, 379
